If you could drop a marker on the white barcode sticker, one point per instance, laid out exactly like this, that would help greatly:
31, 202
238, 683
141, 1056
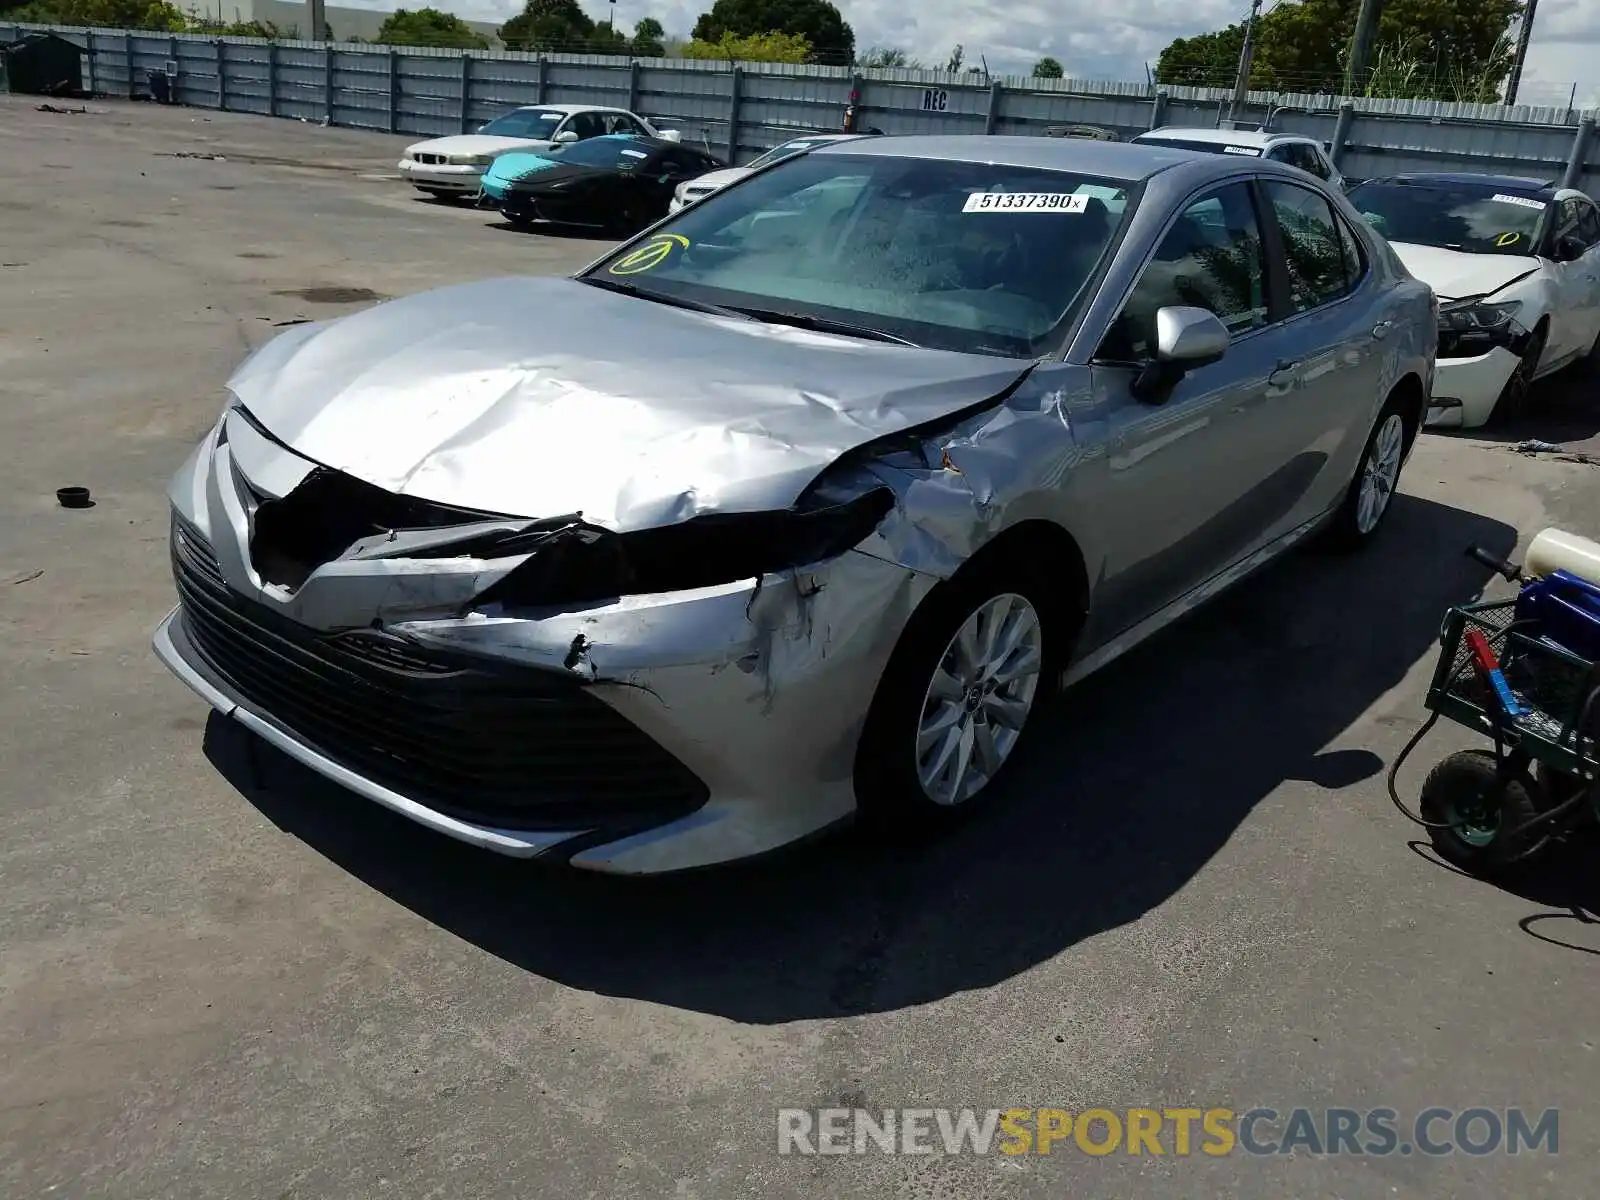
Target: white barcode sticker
1025, 202
1249, 150
1520, 201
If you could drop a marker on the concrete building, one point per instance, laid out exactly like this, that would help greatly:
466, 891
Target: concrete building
292, 18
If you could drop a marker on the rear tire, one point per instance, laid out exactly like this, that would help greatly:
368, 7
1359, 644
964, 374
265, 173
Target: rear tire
1371, 493
962, 692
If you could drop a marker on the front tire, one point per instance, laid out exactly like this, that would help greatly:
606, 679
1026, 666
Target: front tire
1371, 493
1516, 396
976, 663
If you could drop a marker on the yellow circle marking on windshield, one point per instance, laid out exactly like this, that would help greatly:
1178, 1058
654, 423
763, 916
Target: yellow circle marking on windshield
650, 255
1508, 239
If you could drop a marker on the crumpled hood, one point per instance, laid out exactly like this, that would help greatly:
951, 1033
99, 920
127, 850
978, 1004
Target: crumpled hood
477, 143
541, 397
1453, 274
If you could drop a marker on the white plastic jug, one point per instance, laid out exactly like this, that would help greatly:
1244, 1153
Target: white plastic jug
1557, 550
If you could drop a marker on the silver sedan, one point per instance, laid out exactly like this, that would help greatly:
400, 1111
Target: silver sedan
797, 506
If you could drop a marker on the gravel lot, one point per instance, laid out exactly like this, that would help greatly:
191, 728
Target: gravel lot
221, 983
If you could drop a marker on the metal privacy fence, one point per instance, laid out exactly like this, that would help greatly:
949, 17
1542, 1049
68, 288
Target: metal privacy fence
741, 110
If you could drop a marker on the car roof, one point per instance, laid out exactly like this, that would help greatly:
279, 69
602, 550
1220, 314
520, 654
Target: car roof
1516, 185
1225, 137
569, 109
1126, 162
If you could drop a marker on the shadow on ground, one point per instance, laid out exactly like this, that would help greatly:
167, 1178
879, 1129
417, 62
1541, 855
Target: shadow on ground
1148, 769
1561, 881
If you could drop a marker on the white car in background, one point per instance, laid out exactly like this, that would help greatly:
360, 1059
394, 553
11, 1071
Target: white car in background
1292, 149
702, 186
1515, 264
452, 166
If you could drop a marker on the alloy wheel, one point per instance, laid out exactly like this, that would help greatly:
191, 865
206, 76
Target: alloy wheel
1380, 473
979, 699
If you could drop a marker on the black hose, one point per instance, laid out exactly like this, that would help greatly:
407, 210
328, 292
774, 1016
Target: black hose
1394, 773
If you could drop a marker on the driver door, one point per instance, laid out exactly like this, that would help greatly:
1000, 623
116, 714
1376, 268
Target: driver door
1190, 479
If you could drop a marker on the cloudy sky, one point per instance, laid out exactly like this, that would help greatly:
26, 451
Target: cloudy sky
1091, 45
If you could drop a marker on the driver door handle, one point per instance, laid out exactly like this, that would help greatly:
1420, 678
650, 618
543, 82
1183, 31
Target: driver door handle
1285, 373
1381, 330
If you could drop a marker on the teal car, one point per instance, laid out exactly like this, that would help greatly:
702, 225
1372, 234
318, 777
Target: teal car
508, 168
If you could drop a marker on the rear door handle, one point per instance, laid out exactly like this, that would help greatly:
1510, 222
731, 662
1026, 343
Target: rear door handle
1381, 330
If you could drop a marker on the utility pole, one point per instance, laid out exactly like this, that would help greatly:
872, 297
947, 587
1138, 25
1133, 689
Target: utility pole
1247, 54
1355, 76
1523, 34
316, 19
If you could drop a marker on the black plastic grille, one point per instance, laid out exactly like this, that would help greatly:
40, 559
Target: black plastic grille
508, 746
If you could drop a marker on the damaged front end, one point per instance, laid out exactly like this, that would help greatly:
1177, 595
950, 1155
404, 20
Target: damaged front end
643, 700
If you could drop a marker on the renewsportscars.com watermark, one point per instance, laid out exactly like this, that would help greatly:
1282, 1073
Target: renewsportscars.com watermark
1178, 1132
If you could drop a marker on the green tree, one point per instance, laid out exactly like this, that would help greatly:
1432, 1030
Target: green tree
887, 56
1304, 47
817, 21
429, 27
105, 14
1048, 68
560, 26
958, 55
761, 47
649, 39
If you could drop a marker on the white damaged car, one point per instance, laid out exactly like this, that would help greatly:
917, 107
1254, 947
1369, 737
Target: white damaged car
1516, 266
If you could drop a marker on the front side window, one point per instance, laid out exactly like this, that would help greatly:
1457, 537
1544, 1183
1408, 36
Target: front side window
1589, 223
1472, 218
526, 122
586, 125
975, 257
1306, 156
1312, 250
1211, 258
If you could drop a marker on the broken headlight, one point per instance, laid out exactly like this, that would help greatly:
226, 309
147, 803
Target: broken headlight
1472, 327
586, 565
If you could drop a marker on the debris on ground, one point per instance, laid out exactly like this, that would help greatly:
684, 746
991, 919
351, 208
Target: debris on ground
1532, 446
191, 154
51, 108
28, 578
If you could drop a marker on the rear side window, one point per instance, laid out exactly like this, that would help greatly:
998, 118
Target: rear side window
1313, 249
1308, 158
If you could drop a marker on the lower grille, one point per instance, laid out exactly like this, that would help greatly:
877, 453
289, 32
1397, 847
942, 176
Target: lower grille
506, 746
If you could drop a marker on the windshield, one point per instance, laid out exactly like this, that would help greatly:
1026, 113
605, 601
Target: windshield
611, 150
959, 256
787, 150
525, 122
1202, 147
1474, 218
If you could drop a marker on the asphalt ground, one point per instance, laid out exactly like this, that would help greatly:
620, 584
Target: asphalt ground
224, 982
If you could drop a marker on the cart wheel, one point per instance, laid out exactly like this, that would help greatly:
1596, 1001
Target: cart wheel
1468, 791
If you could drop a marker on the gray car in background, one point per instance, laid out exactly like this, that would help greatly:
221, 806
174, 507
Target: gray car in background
799, 504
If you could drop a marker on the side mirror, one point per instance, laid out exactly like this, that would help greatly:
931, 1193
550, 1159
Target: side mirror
1186, 338
566, 137
1570, 248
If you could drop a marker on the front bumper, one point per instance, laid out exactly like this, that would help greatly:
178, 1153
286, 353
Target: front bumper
452, 177
757, 690
1465, 389
549, 208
